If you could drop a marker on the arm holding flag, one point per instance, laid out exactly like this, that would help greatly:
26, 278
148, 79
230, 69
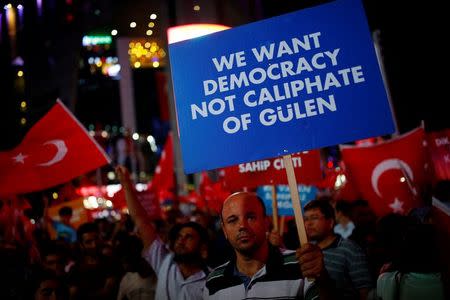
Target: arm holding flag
146, 229
47, 220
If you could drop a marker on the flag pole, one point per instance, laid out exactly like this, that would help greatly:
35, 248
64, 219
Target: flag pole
376, 37
282, 222
295, 199
274, 208
409, 182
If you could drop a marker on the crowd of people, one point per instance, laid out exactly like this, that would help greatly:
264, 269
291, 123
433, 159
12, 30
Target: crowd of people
234, 254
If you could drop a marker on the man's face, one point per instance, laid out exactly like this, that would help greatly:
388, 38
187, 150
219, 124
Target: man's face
187, 241
55, 263
90, 242
244, 223
50, 290
316, 225
188, 246
65, 219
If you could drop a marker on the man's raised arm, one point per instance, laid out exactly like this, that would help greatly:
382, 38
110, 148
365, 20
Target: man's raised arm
147, 230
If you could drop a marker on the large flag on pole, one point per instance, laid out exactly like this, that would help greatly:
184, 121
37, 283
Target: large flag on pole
55, 150
390, 175
163, 178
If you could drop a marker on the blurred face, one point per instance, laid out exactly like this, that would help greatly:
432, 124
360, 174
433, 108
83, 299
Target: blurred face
188, 247
244, 223
317, 226
363, 216
55, 263
65, 219
187, 241
90, 242
50, 290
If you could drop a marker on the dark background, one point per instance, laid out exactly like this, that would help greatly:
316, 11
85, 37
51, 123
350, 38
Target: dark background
413, 39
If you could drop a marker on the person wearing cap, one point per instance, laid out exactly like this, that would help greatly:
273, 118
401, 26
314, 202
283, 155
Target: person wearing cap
180, 267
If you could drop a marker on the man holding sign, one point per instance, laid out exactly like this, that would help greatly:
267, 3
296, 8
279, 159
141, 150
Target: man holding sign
296, 82
259, 270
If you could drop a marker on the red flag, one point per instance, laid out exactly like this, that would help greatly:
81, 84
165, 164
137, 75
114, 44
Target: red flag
439, 146
271, 171
55, 150
163, 178
150, 202
389, 175
213, 193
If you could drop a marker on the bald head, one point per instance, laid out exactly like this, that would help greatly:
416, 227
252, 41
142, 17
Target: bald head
243, 196
244, 223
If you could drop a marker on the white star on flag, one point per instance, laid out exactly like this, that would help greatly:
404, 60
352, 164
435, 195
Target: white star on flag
397, 206
158, 170
20, 158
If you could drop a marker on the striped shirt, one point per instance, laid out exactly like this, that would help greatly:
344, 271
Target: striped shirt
280, 278
347, 265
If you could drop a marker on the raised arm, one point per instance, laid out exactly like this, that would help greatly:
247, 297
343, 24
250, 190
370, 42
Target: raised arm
143, 223
47, 222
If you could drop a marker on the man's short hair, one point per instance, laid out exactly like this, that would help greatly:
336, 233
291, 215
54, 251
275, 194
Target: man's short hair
173, 233
323, 205
86, 228
344, 207
65, 211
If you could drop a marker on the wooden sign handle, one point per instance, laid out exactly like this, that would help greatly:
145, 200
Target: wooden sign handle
295, 199
274, 208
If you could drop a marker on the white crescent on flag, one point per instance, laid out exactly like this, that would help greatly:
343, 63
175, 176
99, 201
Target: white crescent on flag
389, 164
62, 151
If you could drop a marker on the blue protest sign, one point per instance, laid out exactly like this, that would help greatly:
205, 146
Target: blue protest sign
307, 193
300, 81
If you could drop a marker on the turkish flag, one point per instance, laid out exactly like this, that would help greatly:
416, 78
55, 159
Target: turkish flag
271, 171
213, 193
163, 179
55, 150
149, 200
390, 175
439, 146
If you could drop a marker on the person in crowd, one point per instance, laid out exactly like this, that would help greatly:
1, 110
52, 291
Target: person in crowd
93, 276
344, 225
181, 269
46, 285
365, 224
414, 272
105, 229
14, 268
344, 260
53, 259
259, 270
62, 228
139, 281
